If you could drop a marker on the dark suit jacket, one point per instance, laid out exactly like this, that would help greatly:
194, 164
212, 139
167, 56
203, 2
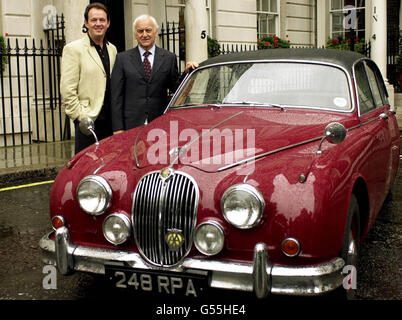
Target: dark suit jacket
133, 96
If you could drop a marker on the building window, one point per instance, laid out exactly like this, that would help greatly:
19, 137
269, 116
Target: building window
344, 15
267, 17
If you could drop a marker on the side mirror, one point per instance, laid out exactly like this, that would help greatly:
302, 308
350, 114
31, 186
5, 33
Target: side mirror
335, 133
87, 127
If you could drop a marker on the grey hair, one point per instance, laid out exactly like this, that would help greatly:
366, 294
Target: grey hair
144, 17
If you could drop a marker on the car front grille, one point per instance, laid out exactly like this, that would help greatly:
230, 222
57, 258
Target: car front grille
164, 217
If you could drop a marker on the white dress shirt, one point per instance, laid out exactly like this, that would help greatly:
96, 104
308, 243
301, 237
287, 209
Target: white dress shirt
150, 57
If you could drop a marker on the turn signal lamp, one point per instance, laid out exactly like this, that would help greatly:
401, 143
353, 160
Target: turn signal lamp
58, 222
290, 247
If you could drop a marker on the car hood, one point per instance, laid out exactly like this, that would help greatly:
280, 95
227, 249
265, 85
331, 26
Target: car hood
213, 139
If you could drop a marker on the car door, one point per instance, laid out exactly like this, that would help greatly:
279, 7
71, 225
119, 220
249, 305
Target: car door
392, 127
374, 118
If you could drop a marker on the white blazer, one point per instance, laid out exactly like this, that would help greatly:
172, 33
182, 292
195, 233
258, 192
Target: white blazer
83, 78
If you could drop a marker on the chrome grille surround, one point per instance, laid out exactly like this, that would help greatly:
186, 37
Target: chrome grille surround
162, 204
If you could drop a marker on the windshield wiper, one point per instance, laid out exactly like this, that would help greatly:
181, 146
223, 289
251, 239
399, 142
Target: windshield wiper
252, 103
198, 105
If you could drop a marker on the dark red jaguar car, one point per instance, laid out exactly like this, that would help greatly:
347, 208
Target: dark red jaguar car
264, 174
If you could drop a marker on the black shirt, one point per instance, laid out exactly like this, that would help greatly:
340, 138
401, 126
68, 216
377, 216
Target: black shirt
104, 56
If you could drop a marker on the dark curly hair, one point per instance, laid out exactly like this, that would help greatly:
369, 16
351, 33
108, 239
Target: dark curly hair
96, 5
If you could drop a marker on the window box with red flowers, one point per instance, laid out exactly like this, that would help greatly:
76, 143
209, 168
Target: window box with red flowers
272, 42
344, 44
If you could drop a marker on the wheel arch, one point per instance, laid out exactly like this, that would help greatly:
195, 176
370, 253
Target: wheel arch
361, 193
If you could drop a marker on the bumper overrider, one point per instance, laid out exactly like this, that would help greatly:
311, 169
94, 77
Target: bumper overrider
260, 276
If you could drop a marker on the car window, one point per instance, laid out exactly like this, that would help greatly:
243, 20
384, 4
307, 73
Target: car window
376, 74
374, 86
283, 83
366, 102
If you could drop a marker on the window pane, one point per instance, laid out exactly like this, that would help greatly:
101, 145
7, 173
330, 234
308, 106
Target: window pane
363, 88
337, 22
361, 19
349, 3
274, 5
266, 24
381, 84
360, 3
271, 24
374, 86
265, 6
336, 4
263, 27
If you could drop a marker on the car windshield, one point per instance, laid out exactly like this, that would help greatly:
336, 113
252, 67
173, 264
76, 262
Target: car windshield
267, 83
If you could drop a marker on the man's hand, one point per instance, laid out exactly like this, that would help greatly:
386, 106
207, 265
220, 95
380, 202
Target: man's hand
190, 66
118, 131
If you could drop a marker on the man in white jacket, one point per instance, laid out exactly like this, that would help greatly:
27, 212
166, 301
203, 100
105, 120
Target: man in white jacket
85, 76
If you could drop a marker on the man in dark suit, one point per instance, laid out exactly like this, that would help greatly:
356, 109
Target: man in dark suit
141, 78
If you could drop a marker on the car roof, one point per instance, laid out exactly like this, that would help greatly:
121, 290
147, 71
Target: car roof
342, 58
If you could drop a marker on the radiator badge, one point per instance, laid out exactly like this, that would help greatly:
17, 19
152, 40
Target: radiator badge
174, 239
166, 173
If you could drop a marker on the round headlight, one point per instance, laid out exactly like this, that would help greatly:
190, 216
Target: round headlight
209, 238
242, 206
117, 228
94, 195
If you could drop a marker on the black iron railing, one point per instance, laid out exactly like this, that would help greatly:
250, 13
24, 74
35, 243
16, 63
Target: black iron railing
30, 103
231, 48
394, 59
173, 39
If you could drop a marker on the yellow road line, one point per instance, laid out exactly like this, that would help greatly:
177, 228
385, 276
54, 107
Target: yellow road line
27, 185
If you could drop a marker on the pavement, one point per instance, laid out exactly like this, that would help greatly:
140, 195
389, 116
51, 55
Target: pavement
35, 162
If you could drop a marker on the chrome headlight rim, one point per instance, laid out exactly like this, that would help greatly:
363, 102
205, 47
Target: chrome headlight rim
107, 189
126, 222
252, 191
219, 228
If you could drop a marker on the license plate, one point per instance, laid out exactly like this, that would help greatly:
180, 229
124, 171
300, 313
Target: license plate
190, 285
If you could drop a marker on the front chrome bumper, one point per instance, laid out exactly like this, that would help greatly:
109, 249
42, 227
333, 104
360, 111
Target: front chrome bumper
260, 276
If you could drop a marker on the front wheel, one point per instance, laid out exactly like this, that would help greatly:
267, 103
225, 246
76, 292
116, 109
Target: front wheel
350, 250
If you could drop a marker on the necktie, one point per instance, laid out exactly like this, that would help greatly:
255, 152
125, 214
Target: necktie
147, 64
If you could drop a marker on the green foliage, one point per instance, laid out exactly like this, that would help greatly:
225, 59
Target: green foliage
213, 47
272, 42
343, 44
3, 52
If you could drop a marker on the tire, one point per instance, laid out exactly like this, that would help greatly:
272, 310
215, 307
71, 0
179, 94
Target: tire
350, 249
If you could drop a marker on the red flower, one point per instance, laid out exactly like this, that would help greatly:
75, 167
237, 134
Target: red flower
288, 41
276, 41
267, 43
276, 38
6, 34
287, 36
270, 34
258, 41
335, 41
